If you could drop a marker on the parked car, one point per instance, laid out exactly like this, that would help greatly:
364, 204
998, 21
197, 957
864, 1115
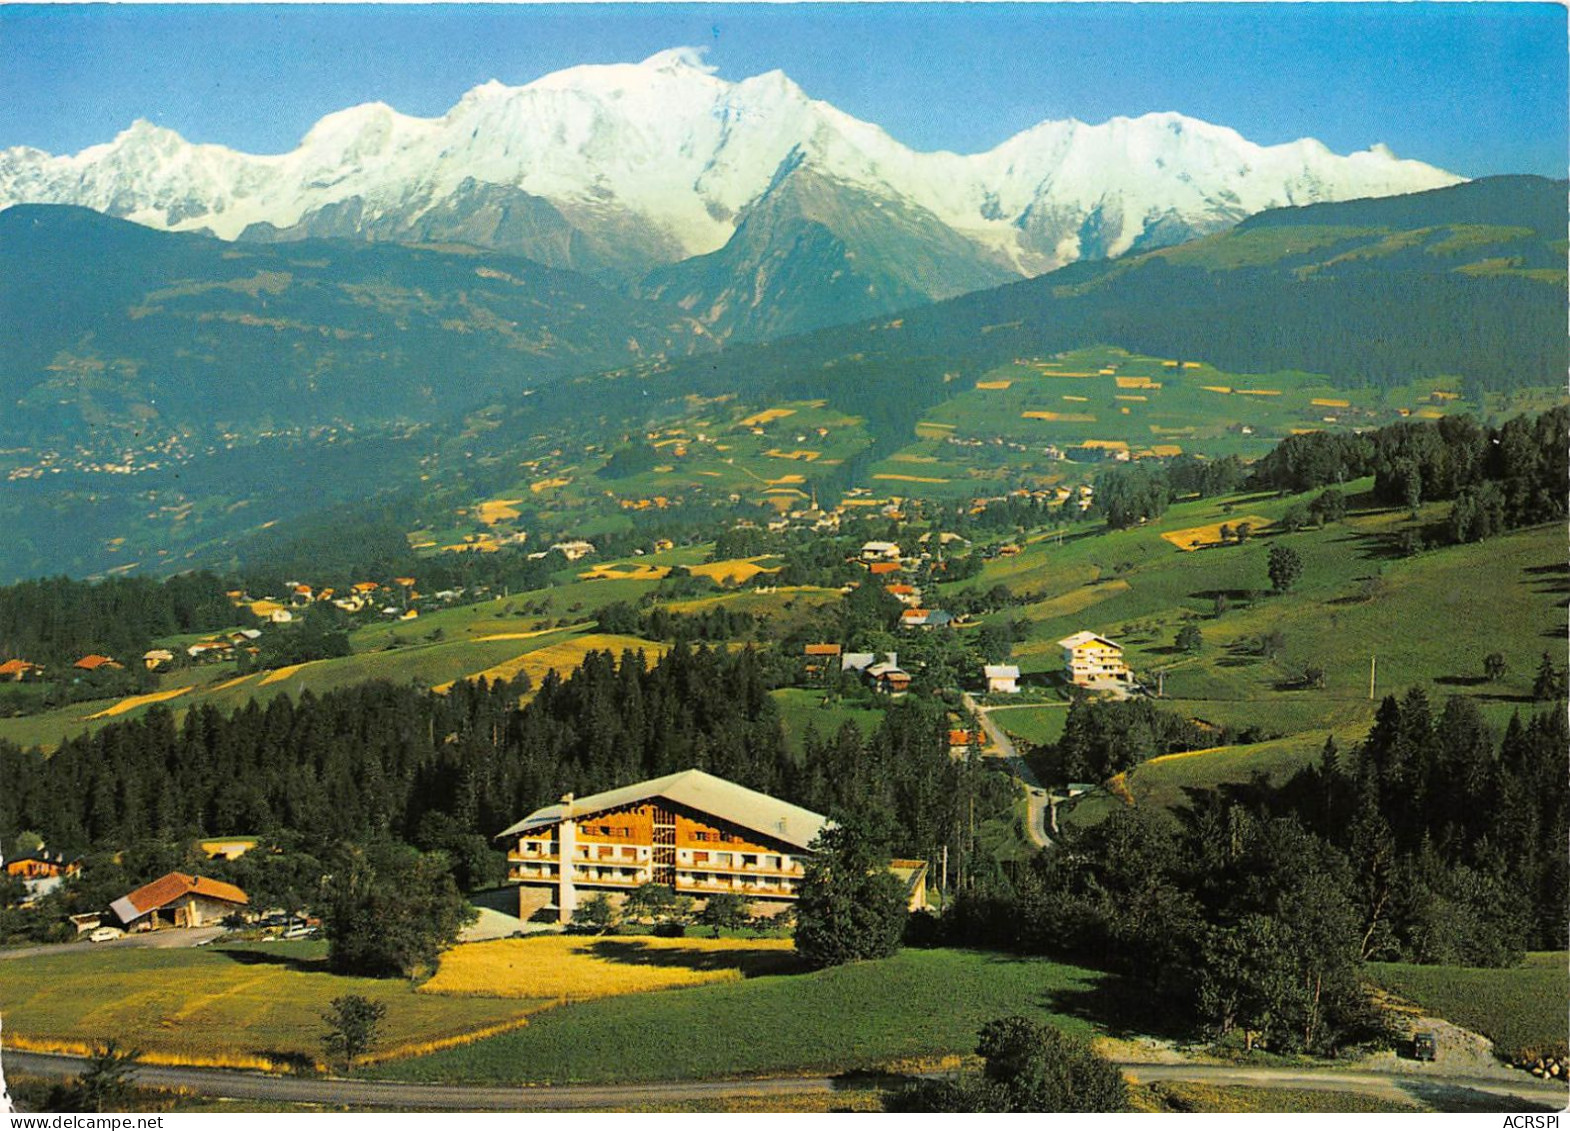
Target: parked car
105, 934
300, 932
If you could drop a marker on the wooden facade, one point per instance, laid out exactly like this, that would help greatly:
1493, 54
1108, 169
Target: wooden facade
652, 841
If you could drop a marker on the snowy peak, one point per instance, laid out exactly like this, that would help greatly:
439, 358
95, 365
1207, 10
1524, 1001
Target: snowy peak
677, 59
624, 167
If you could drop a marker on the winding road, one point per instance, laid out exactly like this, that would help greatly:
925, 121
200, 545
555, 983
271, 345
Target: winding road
1036, 798
1416, 1085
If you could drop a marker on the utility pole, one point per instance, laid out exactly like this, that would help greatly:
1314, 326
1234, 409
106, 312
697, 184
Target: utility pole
1371, 662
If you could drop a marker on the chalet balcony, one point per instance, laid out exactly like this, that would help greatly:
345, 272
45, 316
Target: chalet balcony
516, 857
753, 887
611, 877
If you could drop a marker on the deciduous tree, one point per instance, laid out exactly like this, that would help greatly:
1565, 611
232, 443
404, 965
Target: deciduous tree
851, 906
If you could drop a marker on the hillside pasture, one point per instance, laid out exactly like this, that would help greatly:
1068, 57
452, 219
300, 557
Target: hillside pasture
1520, 1008
919, 1003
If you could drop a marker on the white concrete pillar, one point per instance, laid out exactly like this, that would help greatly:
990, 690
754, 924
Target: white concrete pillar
567, 849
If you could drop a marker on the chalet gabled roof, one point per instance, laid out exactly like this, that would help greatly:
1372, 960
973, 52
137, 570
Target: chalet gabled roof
1079, 639
692, 789
166, 889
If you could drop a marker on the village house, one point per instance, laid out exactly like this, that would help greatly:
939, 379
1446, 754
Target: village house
904, 594
42, 871
41, 865
925, 618
1001, 678
207, 651
818, 657
888, 677
156, 658
880, 552
961, 740
1095, 663
858, 662
94, 662
178, 900
16, 671
572, 551
226, 847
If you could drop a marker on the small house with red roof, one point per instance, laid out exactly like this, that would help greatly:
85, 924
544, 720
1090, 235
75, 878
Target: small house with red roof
178, 900
94, 662
17, 670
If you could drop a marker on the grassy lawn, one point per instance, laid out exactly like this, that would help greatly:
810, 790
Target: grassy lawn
1041, 726
920, 1003
243, 1005
802, 707
1521, 1009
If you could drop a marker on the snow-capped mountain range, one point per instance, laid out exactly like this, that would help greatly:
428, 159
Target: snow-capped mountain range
662, 166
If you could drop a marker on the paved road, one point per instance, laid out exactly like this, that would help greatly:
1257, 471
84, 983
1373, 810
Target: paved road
174, 937
1036, 798
1426, 1086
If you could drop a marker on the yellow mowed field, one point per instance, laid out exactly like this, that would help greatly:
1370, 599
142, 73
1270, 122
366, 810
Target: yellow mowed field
1198, 537
244, 1006
626, 572
564, 657
993, 384
547, 484
494, 511
131, 702
1059, 417
799, 453
767, 416
732, 570
910, 478
575, 968
278, 674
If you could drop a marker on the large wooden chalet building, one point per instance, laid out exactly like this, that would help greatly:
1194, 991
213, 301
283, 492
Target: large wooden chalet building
692, 831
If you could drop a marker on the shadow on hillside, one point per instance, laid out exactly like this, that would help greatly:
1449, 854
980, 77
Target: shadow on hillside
751, 962
1461, 680
1556, 570
264, 955
1122, 1008
1456, 1098
1236, 596
1378, 547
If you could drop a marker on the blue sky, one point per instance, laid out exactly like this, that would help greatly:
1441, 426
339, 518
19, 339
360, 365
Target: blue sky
1477, 88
